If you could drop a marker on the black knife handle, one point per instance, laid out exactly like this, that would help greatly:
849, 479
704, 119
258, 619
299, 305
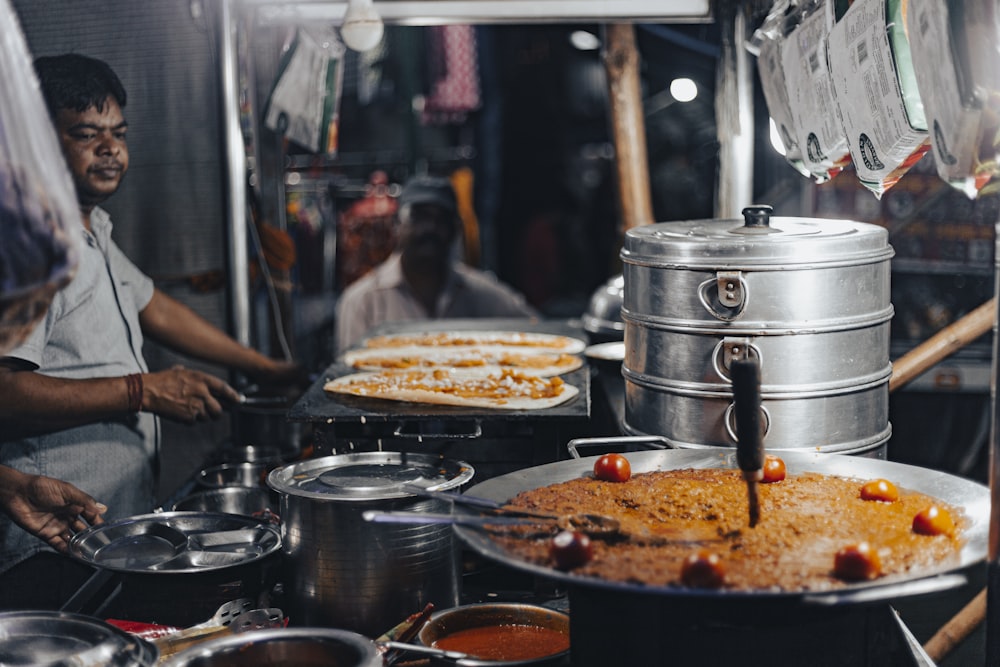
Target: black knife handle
745, 374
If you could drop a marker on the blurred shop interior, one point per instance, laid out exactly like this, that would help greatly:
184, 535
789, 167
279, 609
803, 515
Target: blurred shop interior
522, 129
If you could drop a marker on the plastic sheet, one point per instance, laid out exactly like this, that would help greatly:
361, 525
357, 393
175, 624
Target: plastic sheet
39, 217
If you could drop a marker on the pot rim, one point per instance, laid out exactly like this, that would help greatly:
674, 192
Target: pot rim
473, 610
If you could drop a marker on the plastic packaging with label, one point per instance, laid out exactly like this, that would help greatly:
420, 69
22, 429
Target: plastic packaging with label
766, 44
819, 130
876, 92
949, 42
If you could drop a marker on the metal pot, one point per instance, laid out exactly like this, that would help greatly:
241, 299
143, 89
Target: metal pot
672, 625
603, 319
261, 420
807, 298
58, 639
177, 568
247, 474
342, 571
302, 647
258, 503
488, 615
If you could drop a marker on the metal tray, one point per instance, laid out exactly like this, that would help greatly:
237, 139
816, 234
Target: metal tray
175, 542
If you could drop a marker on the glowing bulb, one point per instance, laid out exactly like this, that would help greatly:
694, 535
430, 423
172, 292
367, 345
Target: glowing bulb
362, 29
683, 89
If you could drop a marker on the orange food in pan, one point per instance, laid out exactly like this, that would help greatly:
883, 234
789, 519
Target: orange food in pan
806, 519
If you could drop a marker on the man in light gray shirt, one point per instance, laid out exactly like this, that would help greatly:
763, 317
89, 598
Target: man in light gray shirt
422, 280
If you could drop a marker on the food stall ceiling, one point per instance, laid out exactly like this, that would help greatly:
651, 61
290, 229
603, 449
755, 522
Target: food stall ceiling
433, 12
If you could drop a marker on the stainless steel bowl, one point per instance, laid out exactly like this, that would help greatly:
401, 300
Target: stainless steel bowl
494, 615
302, 647
57, 639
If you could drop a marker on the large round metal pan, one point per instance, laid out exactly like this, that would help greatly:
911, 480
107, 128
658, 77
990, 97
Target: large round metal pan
971, 497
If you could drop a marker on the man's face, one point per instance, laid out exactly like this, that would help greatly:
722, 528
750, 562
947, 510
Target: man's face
426, 230
95, 148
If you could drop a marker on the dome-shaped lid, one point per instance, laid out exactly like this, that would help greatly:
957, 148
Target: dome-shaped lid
757, 241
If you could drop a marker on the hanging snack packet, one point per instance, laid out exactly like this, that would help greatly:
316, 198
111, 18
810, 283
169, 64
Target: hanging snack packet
766, 44
876, 92
819, 131
948, 41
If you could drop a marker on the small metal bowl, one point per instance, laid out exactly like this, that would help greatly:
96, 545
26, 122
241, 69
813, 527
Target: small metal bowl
494, 615
257, 502
246, 474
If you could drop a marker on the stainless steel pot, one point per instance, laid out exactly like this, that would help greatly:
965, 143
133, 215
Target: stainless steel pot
262, 421
342, 571
246, 474
808, 298
258, 503
57, 639
301, 647
603, 319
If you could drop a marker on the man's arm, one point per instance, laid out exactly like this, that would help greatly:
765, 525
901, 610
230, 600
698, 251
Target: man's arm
32, 403
171, 323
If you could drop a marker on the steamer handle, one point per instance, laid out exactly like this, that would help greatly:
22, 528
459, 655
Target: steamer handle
647, 441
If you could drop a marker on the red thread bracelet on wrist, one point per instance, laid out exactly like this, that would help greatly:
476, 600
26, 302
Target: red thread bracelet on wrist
135, 390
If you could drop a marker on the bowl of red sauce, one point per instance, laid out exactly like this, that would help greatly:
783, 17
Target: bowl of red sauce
500, 634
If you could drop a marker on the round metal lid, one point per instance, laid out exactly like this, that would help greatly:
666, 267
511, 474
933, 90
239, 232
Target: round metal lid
175, 542
368, 476
757, 240
56, 639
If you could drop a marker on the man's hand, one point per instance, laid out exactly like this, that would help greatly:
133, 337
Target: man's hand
186, 395
50, 509
275, 372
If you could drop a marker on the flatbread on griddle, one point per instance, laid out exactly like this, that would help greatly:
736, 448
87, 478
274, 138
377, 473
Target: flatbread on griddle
541, 362
519, 339
504, 390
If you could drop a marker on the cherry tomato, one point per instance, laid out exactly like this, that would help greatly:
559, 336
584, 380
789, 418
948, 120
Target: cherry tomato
612, 468
880, 489
857, 562
703, 569
774, 469
570, 549
932, 520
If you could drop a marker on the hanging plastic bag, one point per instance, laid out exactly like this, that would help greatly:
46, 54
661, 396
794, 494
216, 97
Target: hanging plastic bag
950, 43
876, 92
819, 130
39, 216
304, 104
766, 45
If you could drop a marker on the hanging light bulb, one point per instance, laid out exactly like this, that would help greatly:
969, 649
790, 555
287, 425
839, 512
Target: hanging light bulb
362, 29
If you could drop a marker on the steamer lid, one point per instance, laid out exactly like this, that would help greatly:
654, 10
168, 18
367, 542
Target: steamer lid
368, 476
757, 241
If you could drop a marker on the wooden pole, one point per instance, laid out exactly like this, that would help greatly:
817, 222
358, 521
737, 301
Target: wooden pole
621, 61
944, 343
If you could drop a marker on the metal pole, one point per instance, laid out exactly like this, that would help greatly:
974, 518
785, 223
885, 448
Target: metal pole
235, 169
993, 557
734, 113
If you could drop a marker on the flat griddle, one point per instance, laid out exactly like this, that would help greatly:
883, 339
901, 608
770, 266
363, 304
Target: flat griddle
972, 497
319, 407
